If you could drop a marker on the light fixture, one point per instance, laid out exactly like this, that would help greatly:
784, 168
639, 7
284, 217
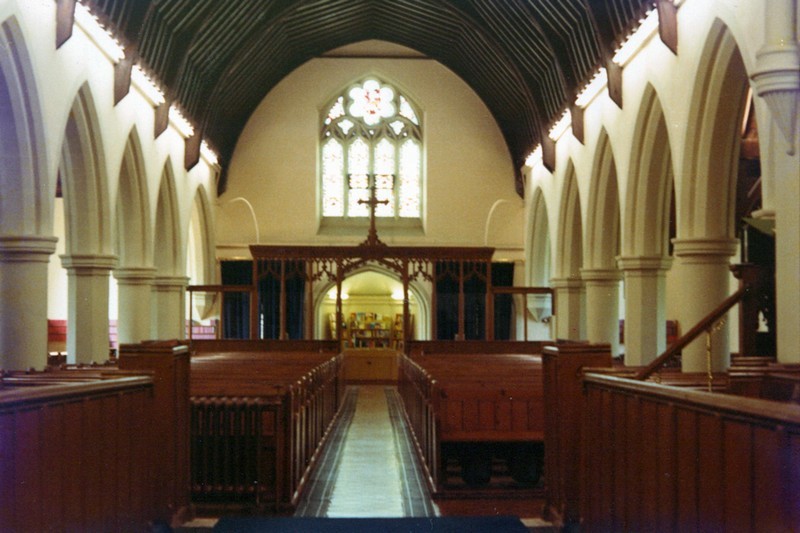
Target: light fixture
561, 125
209, 154
180, 123
637, 38
99, 35
397, 294
598, 82
535, 157
146, 86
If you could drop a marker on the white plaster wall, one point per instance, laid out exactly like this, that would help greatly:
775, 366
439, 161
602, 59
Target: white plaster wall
467, 162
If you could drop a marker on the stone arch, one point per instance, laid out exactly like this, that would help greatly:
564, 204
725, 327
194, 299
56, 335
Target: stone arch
569, 253
134, 245
707, 193
645, 233
540, 250
603, 213
88, 246
84, 182
134, 234
27, 199
26, 207
201, 263
650, 186
168, 252
568, 285
708, 174
600, 275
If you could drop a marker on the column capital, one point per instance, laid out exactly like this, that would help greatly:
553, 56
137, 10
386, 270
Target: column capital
88, 262
642, 263
566, 283
26, 248
705, 250
600, 275
135, 275
170, 282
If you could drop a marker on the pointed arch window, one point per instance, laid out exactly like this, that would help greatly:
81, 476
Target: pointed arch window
371, 136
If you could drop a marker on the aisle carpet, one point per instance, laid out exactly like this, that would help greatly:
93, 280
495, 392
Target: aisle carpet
445, 524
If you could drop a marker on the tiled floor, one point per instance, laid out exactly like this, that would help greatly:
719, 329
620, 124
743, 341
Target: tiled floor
369, 469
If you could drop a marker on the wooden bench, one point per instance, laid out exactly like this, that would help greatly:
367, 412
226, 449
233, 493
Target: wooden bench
258, 420
473, 409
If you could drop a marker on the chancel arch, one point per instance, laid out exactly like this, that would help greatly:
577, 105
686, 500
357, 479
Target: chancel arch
705, 239
88, 252
378, 291
602, 240
134, 246
645, 259
569, 288
26, 205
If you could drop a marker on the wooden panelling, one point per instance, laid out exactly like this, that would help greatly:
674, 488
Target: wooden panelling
62, 462
691, 461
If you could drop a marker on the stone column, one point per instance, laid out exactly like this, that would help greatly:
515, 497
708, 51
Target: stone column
570, 313
645, 307
602, 306
87, 324
23, 300
135, 288
704, 281
169, 307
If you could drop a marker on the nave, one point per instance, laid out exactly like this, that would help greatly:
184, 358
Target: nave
369, 470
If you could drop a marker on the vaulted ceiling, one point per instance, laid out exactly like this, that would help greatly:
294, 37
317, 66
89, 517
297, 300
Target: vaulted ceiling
217, 59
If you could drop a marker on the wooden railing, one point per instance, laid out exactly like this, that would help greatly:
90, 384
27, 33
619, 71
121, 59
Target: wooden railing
667, 458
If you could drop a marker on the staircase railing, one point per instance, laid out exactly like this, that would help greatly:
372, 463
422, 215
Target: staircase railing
706, 324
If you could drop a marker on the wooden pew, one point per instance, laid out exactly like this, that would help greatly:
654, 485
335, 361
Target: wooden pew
475, 407
682, 460
77, 454
258, 421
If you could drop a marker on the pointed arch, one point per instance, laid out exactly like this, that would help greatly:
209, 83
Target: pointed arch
708, 175
649, 194
603, 221
26, 204
200, 253
569, 256
134, 232
168, 254
84, 183
540, 253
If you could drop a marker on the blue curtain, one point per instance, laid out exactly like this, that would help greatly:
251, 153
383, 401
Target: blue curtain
503, 276
269, 297
236, 306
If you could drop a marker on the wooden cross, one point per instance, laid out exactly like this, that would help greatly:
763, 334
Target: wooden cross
372, 238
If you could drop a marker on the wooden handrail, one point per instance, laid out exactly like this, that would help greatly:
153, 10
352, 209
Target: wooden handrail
693, 333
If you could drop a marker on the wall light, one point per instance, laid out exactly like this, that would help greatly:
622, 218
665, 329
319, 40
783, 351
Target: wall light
595, 86
636, 40
99, 35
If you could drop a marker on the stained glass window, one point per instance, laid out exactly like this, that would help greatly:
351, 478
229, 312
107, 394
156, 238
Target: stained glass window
371, 137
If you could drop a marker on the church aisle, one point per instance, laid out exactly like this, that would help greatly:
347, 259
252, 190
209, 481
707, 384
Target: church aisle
368, 469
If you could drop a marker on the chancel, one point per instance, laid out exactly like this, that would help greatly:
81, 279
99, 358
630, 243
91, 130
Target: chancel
399, 265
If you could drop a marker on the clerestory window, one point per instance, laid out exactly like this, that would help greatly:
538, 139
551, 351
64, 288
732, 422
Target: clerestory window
371, 137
